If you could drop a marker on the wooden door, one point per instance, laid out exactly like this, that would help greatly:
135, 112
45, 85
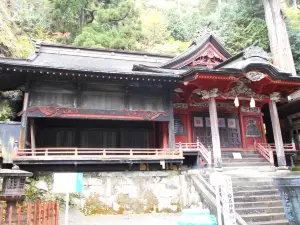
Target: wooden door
253, 130
229, 130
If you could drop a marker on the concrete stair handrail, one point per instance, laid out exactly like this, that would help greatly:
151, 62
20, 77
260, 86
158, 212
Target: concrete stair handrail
208, 193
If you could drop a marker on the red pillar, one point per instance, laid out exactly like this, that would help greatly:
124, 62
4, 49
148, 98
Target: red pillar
189, 127
165, 134
242, 130
154, 134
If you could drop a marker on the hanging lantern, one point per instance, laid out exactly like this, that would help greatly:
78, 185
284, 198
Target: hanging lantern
252, 102
236, 102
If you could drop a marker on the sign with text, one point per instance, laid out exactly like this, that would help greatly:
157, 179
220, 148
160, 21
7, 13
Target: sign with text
228, 202
67, 182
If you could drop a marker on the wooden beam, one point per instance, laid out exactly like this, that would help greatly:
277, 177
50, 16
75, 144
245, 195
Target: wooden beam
215, 133
277, 134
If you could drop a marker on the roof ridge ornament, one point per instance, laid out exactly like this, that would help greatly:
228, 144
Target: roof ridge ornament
255, 51
255, 75
275, 96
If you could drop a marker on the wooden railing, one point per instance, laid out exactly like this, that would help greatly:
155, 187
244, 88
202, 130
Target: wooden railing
266, 153
197, 147
286, 147
99, 153
38, 213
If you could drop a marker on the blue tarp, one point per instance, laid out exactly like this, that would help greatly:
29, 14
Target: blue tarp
197, 217
9, 134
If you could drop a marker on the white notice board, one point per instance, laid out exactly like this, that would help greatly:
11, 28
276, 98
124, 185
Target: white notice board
67, 182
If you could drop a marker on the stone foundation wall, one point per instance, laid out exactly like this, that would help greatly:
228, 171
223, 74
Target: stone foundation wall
137, 192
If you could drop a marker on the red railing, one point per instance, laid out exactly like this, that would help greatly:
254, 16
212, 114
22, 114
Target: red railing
196, 147
98, 153
266, 153
286, 147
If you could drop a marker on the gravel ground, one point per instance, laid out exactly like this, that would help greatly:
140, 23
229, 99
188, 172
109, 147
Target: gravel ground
78, 218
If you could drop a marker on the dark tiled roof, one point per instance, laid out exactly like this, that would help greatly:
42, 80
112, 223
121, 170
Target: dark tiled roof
91, 59
194, 48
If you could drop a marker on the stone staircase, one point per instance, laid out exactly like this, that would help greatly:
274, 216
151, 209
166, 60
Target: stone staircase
249, 159
256, 199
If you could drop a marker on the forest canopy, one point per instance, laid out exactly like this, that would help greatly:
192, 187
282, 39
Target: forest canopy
165, 26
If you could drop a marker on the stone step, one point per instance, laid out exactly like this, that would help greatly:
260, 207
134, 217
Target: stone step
251, 179
244, 160
253, 188
258, 204
241, 152
256, 192
242, 164
260, 217
275, 209
254, 198
274, 222
263, 168
230, 156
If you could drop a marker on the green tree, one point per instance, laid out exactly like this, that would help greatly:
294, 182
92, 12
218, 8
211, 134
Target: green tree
116, 25
241, 24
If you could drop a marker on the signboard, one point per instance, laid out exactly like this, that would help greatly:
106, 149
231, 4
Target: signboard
221, 122
228, 202
198, 122
231, 123
67, 182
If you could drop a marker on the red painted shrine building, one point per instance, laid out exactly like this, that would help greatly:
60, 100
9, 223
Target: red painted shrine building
88, 106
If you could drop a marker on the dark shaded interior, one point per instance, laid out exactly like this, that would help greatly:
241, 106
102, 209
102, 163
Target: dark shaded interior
95, 133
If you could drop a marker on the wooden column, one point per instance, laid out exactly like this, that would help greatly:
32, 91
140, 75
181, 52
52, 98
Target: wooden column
32, 133
189, 127
215, 133
277, 134
242, 130
165, 134
171, 131
23, 131
171, 123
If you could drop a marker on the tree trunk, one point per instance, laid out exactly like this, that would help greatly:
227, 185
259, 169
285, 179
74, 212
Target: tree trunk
295, 3
278, 36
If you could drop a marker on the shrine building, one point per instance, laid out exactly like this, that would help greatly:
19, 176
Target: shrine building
118, 109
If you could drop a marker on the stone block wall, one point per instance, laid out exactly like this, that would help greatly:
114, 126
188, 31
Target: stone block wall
137, 192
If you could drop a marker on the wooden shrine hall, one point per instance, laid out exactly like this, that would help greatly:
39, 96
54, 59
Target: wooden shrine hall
116, 107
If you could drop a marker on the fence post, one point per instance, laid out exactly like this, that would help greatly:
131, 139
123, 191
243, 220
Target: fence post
209, 158
28, 217
57, 213
180, 149
104, 152
271, 157
9, 215
131, 152
76, 152
1, 212
198, 143
46, 151
156, 152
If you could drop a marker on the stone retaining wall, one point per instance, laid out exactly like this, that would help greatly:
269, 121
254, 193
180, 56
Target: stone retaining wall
137, 192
